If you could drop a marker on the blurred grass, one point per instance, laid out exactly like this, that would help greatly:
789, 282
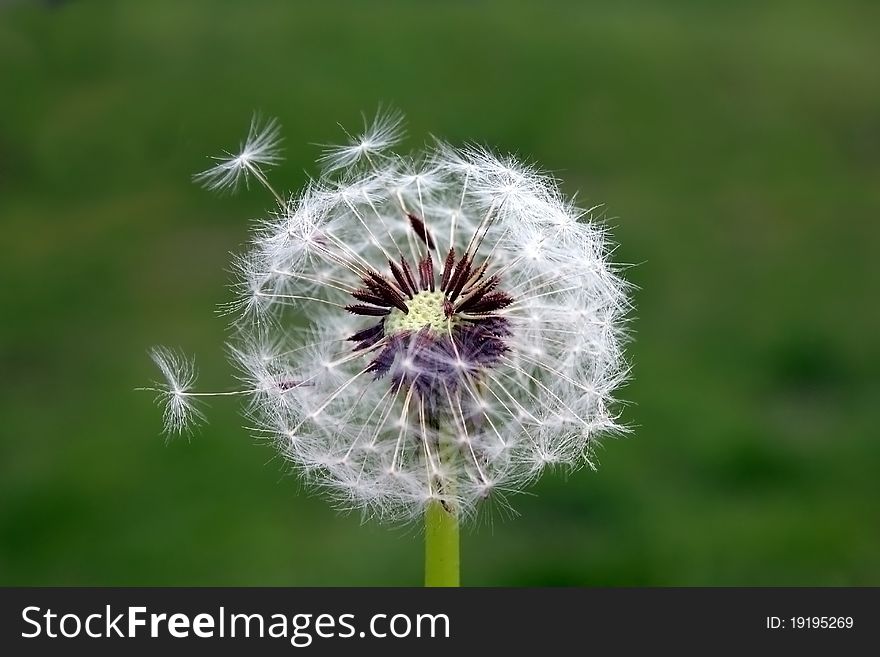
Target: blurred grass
737, 147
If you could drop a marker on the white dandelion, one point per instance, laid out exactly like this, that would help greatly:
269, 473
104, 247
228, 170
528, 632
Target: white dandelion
464, 328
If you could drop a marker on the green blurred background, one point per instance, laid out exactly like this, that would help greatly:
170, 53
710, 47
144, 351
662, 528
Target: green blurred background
736, 146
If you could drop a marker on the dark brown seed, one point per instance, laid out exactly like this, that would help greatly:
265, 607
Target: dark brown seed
384, 288
397, 272
421, 230
423, 279
370, 297
490, 303
368, 334
478, 273
383, 362
429, 266
407, 272
486, 286
476, 293
426, 273
459, 278
361, 309
447, 268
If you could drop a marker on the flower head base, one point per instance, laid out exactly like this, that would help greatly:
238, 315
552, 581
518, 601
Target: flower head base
464, 328
425, 310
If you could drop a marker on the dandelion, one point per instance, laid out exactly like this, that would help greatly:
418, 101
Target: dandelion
464, 331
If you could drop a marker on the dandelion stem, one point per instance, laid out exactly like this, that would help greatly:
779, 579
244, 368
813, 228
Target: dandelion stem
441, 546
441, 529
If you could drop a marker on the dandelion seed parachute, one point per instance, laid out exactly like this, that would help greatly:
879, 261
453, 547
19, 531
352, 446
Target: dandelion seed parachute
174, 393
464, 325
259, 150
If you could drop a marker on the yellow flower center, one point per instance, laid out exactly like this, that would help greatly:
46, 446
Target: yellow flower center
425, 311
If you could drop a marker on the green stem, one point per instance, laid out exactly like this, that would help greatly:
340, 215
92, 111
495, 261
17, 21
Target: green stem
441, 547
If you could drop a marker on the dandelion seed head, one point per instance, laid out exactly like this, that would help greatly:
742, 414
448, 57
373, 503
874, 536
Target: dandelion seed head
413, 328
